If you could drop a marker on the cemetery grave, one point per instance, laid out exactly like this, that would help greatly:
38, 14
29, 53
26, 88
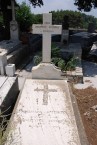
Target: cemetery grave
86, 40
45, 111
44, 88
9, 46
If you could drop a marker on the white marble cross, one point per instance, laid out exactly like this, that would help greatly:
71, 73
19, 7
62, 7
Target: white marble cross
46, 29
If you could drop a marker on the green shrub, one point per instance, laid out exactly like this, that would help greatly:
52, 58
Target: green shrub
71, 64
24, 17
55, 51
37, 59
61, 64
57, 60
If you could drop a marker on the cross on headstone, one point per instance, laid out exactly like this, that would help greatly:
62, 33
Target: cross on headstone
46, 29
13, 9
14, 33
46, 90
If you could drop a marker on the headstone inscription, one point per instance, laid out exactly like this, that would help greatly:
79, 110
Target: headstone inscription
46, 29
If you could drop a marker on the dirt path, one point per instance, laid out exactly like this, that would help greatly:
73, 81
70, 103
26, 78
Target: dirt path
86, 95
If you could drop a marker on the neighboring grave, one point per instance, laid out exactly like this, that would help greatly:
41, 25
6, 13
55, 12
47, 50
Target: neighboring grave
84, 38
14, 32
8, 46
46, 69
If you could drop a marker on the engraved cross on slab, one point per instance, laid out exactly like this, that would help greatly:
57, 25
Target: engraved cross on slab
46, 90
46, 29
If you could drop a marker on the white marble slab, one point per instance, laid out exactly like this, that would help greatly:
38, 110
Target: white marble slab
5, 86
44, 115
2, 80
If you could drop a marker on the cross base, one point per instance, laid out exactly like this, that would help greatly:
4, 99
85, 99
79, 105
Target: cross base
46, 71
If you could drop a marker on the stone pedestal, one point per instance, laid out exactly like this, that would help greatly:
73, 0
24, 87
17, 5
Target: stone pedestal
14, 30
10, 70
3, 63
46, 71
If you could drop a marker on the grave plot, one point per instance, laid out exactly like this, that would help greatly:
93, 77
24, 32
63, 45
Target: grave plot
44, 115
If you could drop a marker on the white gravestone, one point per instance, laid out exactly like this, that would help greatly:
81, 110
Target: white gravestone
13, 24
46, 29
46, 70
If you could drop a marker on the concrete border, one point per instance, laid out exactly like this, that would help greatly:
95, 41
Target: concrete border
81, 129
11, 96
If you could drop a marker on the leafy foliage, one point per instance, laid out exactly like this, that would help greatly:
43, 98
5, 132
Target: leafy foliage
24, 17
7, 13
57, 60
55, 51
71, 64
37, 59
86, 5
61, 64
76, 19
36, 2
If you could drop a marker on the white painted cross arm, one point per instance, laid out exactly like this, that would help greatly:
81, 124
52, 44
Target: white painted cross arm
50, 29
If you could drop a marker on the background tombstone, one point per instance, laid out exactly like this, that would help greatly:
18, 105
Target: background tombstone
14, 33
65, 30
